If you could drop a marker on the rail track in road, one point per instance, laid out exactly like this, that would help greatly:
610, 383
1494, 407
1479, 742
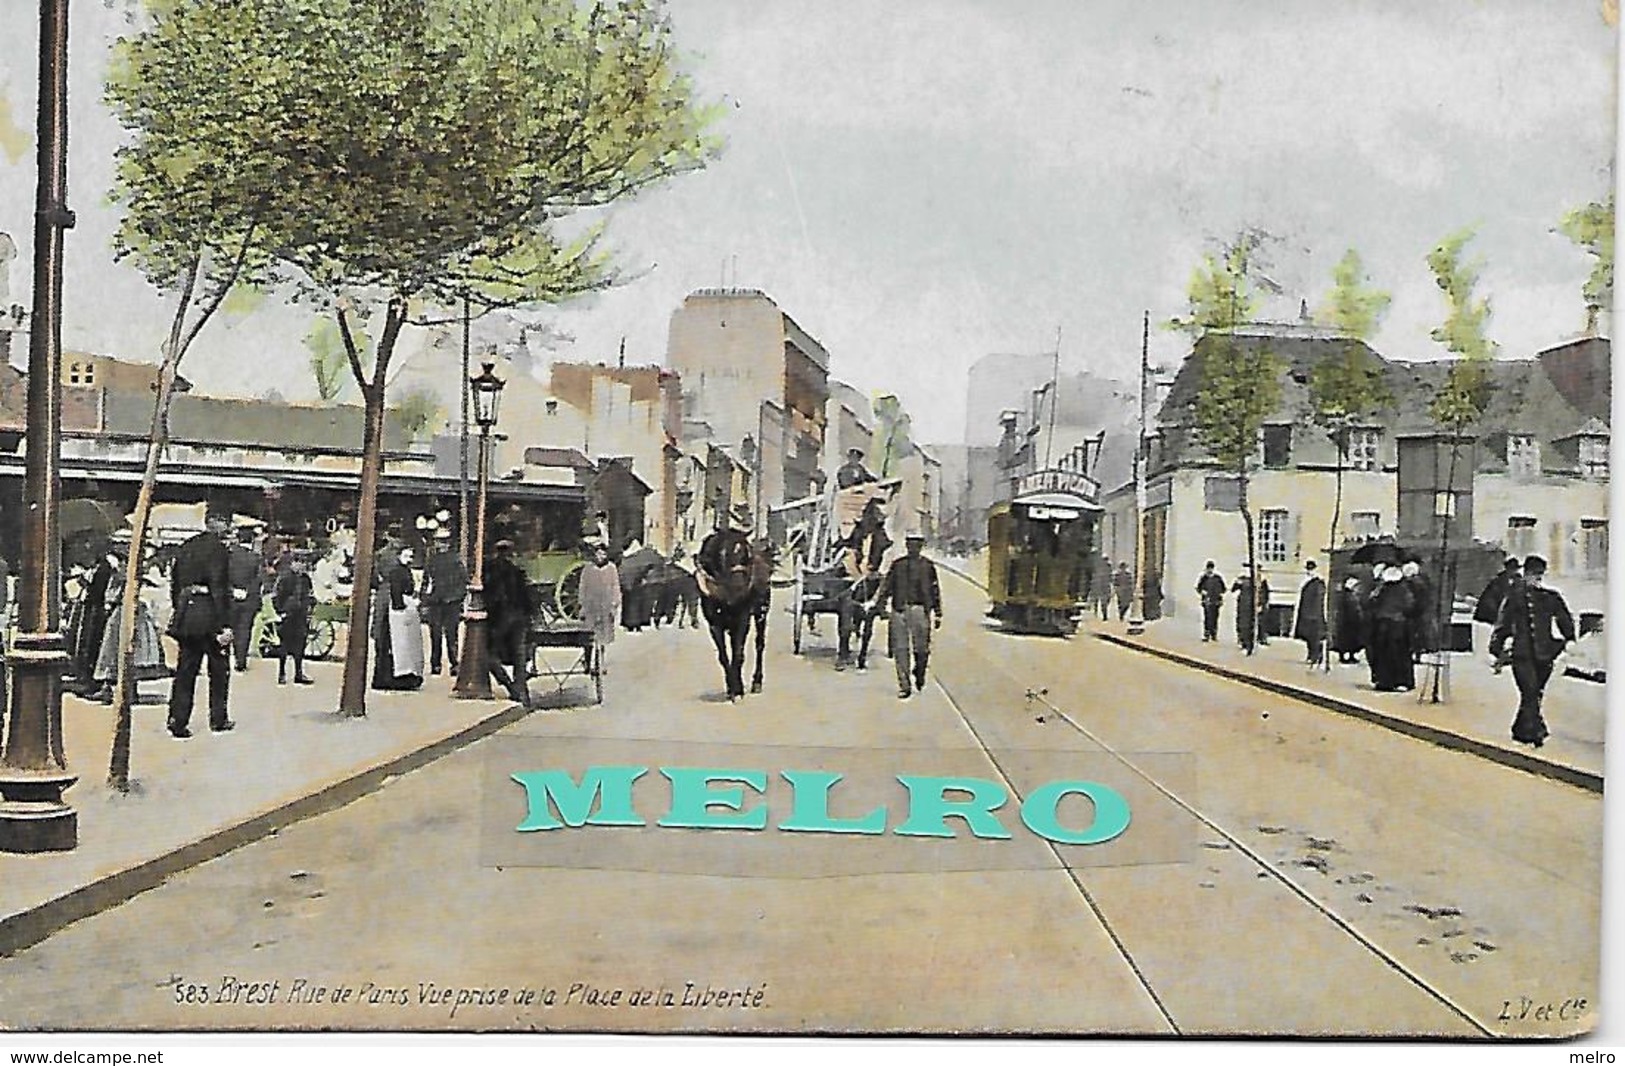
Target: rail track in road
1456, 943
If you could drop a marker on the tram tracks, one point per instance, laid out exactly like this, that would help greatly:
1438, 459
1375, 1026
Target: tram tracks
1059, 707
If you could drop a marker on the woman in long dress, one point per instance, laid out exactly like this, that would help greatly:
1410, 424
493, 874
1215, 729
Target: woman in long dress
397, 657
601, 600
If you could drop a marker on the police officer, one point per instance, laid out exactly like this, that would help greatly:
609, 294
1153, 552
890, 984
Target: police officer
910, 585
1528, 615
200, 593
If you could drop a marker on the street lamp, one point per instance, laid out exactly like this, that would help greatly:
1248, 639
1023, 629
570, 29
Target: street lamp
473, 672
33, 768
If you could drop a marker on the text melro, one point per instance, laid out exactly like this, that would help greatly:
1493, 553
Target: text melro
716, 799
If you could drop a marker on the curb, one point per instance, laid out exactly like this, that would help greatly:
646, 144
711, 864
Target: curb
34, 924
1517, 760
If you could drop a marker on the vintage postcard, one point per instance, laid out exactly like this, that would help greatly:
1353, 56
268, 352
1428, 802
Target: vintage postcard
695, 517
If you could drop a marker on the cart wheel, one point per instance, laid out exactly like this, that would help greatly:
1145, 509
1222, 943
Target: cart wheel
270, 640
567, 594
320, 639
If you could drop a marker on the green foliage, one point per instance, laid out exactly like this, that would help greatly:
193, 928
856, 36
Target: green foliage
1466, 391
1221, 293
1238, 382
1239, 387
416, 410
893, 423
328, 363
1592, 228
1349, 388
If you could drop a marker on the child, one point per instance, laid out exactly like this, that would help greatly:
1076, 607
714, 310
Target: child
292, 600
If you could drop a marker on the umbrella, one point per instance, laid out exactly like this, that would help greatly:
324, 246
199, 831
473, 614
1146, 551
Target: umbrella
84, 515
1378, 551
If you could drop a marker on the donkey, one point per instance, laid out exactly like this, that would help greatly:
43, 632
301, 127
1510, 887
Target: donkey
735, 580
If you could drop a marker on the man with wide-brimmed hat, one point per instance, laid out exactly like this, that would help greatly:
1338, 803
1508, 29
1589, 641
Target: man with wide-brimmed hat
200, 593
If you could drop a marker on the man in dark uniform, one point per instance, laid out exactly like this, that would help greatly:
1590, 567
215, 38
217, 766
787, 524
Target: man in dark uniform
246, 569
507, 614
1528, 614
1309, 620
200, 593
910, 585
1489, 601
1211, 588
853, 472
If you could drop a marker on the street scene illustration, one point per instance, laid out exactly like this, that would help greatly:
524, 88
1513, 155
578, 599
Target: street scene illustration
623, 516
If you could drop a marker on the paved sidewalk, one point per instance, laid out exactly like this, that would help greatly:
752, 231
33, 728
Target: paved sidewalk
289, 758
1477, 718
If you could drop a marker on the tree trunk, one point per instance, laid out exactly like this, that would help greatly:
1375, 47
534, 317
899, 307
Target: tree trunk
118, 771
353, 694
1445, 596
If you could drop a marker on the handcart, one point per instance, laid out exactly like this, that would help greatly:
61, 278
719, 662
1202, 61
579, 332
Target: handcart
562, 649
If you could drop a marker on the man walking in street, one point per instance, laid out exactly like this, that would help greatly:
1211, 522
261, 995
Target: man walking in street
445, 583
507, 626
910, 586
1309, 620
200, 593
1210, 587
1528, 614
1123, 587
246, 571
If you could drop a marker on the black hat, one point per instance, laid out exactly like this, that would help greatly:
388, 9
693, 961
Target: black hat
1511, 563
851, 452
1534, 565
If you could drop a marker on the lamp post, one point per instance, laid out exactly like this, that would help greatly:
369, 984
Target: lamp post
33, 768
473, 674
1136, 613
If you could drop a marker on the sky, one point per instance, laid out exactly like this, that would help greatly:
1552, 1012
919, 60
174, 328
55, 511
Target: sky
919, 184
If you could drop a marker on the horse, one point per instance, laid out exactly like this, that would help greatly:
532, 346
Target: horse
735, 580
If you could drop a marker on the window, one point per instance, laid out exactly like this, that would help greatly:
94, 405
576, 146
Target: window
1365, 524
1520, 538
1277, 447
1594, 457
1523, 455
1363, 449
1594, 545
1444, 505
1221, 494
1272, 546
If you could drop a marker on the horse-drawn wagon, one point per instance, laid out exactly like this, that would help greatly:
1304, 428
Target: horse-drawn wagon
842, 550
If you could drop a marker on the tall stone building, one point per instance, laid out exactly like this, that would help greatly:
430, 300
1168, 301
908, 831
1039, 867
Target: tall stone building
759, 383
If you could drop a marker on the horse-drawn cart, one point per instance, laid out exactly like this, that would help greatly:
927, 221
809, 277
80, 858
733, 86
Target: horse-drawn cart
842, 549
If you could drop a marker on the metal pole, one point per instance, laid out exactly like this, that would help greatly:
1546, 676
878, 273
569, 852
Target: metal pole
1136, 611
33, 769
473, 672
462, 451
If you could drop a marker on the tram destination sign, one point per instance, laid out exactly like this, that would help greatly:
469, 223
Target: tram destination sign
1059, 481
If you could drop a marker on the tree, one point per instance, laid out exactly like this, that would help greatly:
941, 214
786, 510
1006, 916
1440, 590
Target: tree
1349, 389
328, 363
195, 207
1592, 228
1238, 381
893, 423
416, 411
1465, 394
434, 151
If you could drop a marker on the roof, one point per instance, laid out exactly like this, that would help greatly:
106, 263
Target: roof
1552, 397
269, 424
563, 457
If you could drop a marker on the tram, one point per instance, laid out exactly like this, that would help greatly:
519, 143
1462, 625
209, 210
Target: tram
1043, 544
